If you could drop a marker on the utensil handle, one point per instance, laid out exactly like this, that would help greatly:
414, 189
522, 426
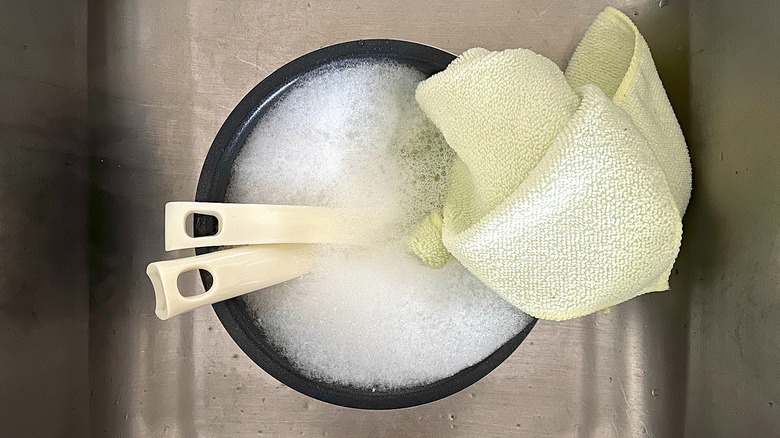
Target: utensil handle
255, 224
236, 271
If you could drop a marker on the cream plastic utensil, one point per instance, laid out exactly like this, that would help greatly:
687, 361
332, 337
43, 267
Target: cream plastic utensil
251, 224
236, 271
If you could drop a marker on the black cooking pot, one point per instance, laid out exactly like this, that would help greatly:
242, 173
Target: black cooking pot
214, 178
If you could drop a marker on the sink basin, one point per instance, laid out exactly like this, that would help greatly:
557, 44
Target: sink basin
609, 374
158, 78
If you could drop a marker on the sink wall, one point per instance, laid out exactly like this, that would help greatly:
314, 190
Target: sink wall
732, 251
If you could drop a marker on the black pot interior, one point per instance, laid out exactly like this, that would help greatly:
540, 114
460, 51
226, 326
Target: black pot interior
212, 185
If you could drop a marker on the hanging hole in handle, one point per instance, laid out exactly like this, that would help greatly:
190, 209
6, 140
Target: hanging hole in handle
189, 284
202, 225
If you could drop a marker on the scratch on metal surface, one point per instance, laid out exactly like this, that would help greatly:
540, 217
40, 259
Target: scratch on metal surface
623, 4
240, 59
630, 407
734, 335
646, 429
132, 101
152, 105
44, 83
540, 15
622, 390
249, 21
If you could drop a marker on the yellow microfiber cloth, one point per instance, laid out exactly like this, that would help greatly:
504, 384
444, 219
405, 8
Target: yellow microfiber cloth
567, 193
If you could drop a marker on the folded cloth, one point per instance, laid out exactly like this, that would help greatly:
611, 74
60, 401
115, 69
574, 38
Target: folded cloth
567, 193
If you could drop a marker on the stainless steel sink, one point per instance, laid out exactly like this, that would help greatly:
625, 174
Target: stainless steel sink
156, 80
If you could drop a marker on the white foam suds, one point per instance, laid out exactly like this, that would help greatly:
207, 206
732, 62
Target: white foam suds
352, 136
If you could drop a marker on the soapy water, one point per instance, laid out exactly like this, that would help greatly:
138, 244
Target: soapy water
350, 135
